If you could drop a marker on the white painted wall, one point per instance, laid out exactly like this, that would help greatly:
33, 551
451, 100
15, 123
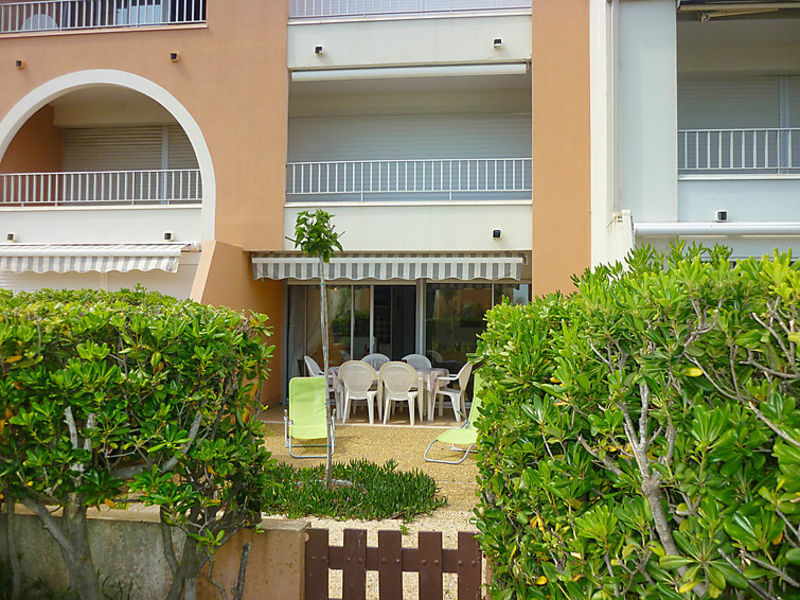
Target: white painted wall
413, 41
648, 109
755, 199
426, 228
608, 242
106, 225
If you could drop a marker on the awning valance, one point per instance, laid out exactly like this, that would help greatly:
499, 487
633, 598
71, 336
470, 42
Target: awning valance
83, 258
385, 267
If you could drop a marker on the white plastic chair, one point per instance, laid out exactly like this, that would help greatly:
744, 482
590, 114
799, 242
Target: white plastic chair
457, 396
398, 378
418, 361
357, 377
376, 360
314, 370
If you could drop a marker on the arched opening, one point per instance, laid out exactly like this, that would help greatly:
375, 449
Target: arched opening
104, 137
100, 145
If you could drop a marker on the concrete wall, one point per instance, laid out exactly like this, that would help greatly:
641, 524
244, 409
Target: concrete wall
427, 227
231, 77
37, 147
101, 225
561, 142
225, 278
386, 42
648, 109
127, 547
755, 199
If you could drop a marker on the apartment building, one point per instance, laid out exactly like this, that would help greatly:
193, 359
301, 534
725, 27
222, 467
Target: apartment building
700, 138
172, 143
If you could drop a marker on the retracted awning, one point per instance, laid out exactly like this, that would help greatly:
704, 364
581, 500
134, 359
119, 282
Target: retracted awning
385, 267
81, 258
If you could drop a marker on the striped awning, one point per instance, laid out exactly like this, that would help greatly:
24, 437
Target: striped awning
78, 258
385, 267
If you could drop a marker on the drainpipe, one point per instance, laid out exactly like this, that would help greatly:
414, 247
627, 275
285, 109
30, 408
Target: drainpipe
708, 229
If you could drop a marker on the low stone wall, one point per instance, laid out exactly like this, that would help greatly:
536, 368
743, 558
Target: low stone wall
127, 549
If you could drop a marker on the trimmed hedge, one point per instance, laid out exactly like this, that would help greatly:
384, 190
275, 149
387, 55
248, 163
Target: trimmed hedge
108, 397
641, 436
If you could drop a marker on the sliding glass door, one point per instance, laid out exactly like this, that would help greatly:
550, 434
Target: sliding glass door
363, 319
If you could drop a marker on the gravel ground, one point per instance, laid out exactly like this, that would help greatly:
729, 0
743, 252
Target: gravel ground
405, 444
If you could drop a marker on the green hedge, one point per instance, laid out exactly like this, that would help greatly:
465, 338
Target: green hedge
111, 397
641, 436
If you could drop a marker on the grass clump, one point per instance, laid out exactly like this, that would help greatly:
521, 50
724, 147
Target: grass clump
377, 492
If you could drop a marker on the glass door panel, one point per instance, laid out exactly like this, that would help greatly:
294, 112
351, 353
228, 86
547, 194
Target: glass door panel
362, 307
453, 320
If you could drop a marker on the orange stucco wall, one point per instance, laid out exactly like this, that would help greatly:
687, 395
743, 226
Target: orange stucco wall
231, 77
36, 147
225, 278
561, 150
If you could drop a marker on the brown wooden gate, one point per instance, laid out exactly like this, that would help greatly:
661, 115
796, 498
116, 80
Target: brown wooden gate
390, 560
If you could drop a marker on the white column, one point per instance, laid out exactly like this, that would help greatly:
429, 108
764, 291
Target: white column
648, 109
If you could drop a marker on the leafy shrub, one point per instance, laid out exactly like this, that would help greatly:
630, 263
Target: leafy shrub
377, 492
104, 394
641, 437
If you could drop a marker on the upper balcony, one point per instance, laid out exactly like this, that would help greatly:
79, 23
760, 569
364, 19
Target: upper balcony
101, 164
362, 9
53, 16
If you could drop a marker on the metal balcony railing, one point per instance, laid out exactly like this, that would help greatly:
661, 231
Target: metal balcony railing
754, 150
171, 187
65, 15
309, 9
447, 178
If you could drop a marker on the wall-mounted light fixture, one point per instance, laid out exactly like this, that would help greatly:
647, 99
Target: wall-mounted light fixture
721, 216
319, 50
19, 64
497, 42
174, 56
11, 237
169, 236
497, 233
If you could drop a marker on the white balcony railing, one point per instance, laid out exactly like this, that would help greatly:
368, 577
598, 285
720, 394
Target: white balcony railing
425, 178
172, 187
305, 9
755, 150
63, 15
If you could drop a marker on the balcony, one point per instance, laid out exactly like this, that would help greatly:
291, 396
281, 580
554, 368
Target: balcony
350, 9
67, 15
102, 188
754, 151
409, 180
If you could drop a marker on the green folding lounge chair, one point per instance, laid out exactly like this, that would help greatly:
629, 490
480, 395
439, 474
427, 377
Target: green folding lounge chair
466, 435
305, 419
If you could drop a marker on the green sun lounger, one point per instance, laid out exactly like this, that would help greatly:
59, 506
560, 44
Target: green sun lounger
305, 419
466, 435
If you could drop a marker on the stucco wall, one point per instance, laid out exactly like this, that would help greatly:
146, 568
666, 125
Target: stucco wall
561, 168
127, 548
37, 147
231, 77
648, 110
225, 278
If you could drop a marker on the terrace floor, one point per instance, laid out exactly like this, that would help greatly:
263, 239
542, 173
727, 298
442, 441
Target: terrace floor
397, 440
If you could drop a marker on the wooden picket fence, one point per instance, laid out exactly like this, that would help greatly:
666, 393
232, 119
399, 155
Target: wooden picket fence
390, 560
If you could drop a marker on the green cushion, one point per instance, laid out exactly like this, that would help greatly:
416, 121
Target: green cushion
307, 408
466, 436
